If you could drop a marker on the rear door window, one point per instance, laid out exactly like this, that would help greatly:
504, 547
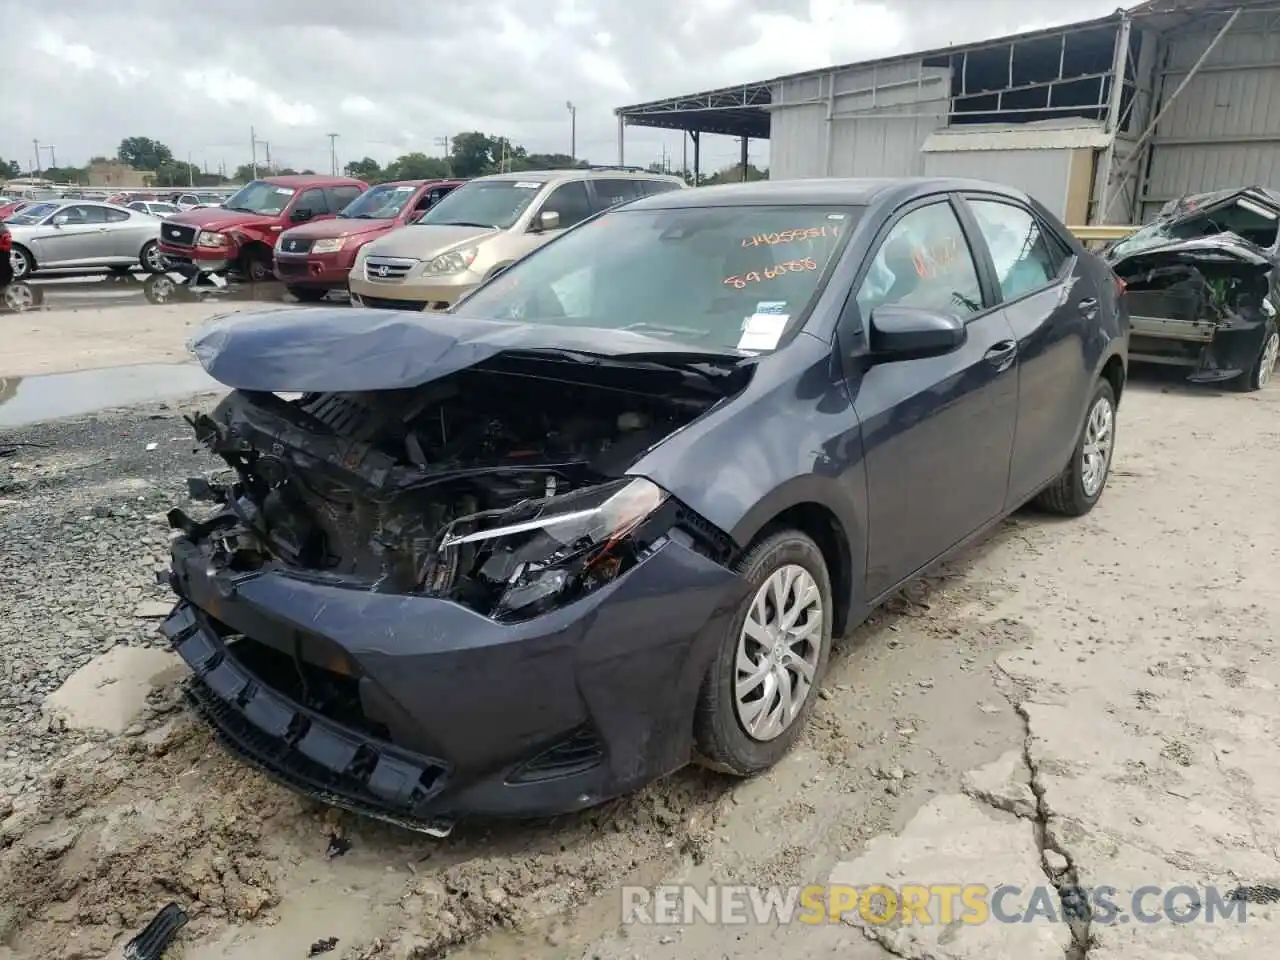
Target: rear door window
658, 186
611, 191
1025, 257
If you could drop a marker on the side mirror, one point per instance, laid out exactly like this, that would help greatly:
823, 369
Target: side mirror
911, 333
61, 220
547, 220
300, 215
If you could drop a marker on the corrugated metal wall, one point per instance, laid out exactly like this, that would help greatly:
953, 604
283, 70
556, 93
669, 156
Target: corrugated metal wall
1224, 128
881, 116
1044, 174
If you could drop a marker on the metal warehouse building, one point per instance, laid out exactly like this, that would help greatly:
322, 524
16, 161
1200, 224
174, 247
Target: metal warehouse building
1196, 108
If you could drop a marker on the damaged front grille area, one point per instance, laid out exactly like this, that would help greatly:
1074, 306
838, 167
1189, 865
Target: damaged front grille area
307, 752
577, 753
505, 493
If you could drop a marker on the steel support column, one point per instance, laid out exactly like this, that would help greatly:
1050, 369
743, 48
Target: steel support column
1133, 160
622, 126
744, 159
697, 157
1119, 69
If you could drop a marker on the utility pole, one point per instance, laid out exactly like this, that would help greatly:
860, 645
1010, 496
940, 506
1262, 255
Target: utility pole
253, 149
444, 143
267, 147
53, 156
573, 130
333, 153
191, 171
36, 144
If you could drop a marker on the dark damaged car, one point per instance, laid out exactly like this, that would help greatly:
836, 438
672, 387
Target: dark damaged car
606, 515
1203, 288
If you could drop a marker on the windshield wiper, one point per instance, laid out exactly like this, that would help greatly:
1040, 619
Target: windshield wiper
241, 209
670, 331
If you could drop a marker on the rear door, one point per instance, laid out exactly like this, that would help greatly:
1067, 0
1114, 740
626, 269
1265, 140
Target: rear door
313, 199
1051, 305
937, 431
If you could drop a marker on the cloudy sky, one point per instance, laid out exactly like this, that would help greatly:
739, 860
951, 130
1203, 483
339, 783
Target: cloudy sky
391, 78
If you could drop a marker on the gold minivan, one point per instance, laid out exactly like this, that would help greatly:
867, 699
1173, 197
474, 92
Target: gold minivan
481, 227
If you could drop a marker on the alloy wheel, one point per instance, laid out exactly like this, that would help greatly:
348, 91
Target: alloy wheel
1096, 452
152, 259
778, 651
18, 260
1270, 354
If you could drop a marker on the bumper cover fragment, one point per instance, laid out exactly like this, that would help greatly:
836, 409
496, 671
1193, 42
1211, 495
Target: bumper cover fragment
297, 747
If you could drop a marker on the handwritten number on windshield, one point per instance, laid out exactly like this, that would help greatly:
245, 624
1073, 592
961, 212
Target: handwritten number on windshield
790, 236
770, 273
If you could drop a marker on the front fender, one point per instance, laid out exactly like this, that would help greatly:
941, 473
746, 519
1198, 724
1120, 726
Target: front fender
790, 438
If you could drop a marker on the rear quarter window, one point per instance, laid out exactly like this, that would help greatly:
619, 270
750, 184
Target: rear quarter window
650, 187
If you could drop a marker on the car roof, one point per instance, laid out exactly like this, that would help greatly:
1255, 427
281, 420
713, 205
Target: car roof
417, 183
837, 191
308, 180
547, 176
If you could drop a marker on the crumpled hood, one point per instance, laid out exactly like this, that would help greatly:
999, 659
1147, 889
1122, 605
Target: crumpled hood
345, 350
219, 218
419, 242
1218, 247
338, 227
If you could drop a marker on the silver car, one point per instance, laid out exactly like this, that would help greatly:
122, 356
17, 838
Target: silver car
72, 234
154, 207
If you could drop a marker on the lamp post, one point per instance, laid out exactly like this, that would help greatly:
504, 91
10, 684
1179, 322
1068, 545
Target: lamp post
573, 131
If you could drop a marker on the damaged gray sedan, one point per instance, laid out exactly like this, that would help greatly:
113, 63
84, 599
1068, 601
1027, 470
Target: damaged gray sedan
1202, 286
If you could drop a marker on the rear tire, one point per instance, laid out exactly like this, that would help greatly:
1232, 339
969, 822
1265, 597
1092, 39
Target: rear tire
1259, 375
1080, 485
256, 268
307, 294
151, 258
779, 658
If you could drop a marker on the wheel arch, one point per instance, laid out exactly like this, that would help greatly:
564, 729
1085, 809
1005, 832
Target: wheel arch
32, 262
800, 506
1113, 371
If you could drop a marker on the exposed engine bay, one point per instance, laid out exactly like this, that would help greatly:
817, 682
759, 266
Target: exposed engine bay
502, 491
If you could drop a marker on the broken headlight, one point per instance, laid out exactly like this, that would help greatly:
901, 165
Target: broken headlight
520, 562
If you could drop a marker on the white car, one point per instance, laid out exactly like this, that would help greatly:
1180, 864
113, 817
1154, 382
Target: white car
155, 208
191, 201
75, 234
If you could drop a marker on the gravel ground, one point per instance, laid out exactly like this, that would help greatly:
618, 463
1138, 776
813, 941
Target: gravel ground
976, 669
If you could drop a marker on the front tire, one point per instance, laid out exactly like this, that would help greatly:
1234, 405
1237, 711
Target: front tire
1259, 375
21, 261
256, 268
765, 677
1080, 485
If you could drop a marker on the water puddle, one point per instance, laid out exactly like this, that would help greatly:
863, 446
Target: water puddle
25, 400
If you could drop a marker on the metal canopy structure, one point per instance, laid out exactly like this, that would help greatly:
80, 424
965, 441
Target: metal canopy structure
740, 111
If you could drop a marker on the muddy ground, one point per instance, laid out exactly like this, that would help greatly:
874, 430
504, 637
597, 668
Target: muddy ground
1153, 612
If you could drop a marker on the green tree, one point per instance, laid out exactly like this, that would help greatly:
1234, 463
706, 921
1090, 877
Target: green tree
549, 161
416, 166
366, 170
176, 173
244, 173
474, 154
143, 153
733, 174
10, 168
66, 175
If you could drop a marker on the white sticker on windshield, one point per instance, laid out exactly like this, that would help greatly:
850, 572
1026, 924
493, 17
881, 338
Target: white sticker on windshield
527, 185
763, 331
835, 216
771, 306
283, 191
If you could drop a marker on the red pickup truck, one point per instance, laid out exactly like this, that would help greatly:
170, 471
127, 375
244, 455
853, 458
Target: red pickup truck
316, 257
241, 233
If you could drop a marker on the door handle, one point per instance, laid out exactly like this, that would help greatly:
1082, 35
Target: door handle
1000, 354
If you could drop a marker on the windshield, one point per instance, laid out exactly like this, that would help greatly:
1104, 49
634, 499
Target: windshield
380, 203
714, 278
260, 197
33, 214
484, 203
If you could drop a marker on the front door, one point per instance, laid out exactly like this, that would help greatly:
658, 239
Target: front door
938, 431
74, 236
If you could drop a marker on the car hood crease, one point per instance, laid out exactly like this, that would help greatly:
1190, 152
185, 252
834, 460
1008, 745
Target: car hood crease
354, 350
